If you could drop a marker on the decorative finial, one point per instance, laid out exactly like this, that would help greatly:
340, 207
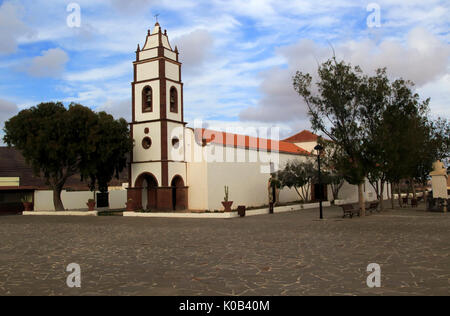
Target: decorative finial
165, 32
139, 48
176, 49
148, 32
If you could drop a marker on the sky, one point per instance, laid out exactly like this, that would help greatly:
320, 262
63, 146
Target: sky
238, 56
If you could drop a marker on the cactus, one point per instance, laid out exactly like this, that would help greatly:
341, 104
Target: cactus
226, 194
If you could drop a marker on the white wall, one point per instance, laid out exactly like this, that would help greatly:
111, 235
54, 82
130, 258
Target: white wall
247, 181
349, 192
75, 200
43, 200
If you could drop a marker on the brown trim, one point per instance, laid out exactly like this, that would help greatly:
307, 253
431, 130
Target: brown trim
155, 79
164, 154
156, 120
143, 61
24, 187
159, 161
182, 99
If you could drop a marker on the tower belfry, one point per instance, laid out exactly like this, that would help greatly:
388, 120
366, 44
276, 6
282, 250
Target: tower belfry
158, 164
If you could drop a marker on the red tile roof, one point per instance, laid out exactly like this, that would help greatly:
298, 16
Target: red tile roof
302, 137
205, 136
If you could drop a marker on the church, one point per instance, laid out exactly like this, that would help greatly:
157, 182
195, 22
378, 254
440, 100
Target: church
175, 167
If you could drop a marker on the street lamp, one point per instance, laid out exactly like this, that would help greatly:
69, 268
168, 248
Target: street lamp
319, 149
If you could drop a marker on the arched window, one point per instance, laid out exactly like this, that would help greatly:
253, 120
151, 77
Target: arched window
173, 100
147, 99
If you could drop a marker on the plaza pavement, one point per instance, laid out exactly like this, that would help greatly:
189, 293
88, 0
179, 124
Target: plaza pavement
282, 254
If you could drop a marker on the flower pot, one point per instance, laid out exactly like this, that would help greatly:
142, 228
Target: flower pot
130, 206
241, 210
28, 206
91, 205
227, 206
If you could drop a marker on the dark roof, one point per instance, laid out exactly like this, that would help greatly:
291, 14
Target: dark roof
13, 164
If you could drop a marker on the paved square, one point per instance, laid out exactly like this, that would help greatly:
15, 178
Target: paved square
281, 254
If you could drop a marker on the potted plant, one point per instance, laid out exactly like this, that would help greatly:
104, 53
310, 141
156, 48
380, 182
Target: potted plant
91, 204
130, 205
27, 203
226, 203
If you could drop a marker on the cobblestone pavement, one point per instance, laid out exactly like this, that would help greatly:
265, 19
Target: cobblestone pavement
281, 254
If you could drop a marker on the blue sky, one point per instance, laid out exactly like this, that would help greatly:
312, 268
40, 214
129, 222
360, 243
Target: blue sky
238, 56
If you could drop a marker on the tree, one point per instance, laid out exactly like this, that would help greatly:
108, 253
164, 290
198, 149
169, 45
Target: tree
298, 175
331, 175
335, 110
59, 143
374, 96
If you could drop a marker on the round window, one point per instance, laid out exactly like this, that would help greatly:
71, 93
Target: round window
175, 142
146, 143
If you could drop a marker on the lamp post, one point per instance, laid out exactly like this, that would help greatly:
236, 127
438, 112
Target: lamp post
319, 149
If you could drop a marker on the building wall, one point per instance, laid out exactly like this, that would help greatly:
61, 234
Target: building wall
349, 192
308, 146
247, 181
76, 200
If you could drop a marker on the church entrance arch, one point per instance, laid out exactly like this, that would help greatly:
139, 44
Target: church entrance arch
178, 193
146, 196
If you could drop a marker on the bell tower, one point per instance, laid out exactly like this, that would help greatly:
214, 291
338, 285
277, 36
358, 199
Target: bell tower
157, 174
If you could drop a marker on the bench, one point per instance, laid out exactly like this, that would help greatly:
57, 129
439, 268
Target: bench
405, 200
349, 210
373, 207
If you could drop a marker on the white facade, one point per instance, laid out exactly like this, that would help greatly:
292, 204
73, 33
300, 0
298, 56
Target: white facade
184, 168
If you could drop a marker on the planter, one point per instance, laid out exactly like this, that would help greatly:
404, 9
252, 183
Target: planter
28, 206
130, 206
227, 206
241, 211
91, 205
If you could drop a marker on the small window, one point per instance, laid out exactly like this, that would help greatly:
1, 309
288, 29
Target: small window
175, 142
146, 143
173, 100
147, 99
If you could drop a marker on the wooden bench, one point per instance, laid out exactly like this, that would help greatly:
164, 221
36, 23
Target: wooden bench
373, 207
349, 210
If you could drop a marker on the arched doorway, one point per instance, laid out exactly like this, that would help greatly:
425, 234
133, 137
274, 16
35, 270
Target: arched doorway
178, 193
146, 196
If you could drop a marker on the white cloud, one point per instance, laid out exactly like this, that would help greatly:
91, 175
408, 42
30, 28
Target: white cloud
117, 108
11, 27
423, 59
7, 110
50, 64
194, 48
102, 73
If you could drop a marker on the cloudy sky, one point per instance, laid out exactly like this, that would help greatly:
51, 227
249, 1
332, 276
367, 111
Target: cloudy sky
238, 56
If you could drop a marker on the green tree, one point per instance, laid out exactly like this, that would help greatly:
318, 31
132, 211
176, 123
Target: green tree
59, 143
331, 175
335, 110
298, 175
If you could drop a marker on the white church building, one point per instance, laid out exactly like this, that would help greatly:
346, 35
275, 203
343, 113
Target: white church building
173, 166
